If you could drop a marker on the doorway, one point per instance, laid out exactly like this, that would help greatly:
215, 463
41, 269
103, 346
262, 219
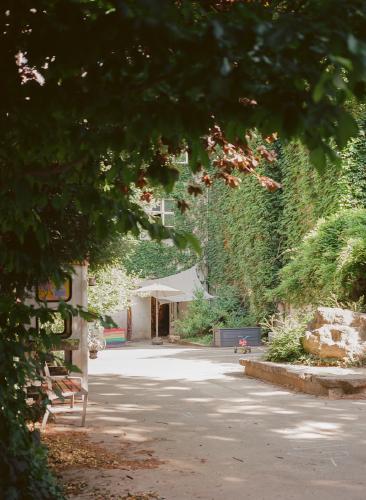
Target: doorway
164, 322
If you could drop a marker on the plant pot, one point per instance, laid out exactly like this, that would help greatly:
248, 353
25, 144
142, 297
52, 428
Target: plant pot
93, 354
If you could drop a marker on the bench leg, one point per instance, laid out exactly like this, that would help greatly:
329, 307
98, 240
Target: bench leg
85, 404
45, 418
72, 401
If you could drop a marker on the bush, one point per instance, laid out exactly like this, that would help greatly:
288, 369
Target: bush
199, 318
330, 262
203, 315
286, 345
206, 340
112, 291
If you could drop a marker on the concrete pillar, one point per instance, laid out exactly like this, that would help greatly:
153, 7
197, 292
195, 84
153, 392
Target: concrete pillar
80, 326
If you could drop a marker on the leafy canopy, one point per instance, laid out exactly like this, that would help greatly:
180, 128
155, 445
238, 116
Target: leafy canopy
85, 80
96, 96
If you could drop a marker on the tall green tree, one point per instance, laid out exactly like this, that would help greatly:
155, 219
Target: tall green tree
95, 97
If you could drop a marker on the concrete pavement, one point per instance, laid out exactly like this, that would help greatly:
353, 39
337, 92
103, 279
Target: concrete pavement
222, 435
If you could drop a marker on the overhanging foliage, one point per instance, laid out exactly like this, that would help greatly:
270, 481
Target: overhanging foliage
95, 97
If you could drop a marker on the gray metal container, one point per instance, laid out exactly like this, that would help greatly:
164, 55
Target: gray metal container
229, 337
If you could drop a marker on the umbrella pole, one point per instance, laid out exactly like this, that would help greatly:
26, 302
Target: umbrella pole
157, 318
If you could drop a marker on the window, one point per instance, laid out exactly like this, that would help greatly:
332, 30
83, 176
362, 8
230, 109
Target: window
164, 210
156, 207
60, 326
181, 159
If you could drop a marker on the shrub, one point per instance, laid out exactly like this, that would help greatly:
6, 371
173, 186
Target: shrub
205, 340
203, 315
287, 341
112, 290
330, 261
199, 318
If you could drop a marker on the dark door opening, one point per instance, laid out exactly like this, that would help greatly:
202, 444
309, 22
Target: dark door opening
163, 319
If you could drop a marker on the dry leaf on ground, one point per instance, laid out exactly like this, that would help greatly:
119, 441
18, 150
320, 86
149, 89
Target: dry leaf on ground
75, 449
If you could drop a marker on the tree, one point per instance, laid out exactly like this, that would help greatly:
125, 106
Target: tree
112, 291
96, 96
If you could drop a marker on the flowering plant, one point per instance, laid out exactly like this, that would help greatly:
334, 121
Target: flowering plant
96, 341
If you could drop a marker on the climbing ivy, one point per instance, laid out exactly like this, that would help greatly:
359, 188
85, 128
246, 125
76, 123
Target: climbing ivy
354, 161
307, 194
330, 262
150, 259
243, 246
252, 234
323, 225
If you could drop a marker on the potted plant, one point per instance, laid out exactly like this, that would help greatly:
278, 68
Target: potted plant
96, 341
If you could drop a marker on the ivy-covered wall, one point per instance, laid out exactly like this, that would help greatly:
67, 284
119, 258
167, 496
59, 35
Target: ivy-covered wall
249, 234
150, 259
244, 241
307, 195
252, 233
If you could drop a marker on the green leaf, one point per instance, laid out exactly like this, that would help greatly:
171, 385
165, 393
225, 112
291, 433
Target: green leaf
318, 158
319, 89
343, 61
347, 128
198, 155
180, 240
353, 43
193, 243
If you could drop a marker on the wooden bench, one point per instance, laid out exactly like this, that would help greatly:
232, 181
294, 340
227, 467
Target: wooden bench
60, 388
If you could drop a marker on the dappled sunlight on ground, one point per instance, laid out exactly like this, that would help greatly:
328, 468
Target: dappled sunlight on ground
313, 430
149, 364
218, 431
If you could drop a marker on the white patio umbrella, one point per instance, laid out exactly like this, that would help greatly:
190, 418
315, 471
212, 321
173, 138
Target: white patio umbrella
158, 291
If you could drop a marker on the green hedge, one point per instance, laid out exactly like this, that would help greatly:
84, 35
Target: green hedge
330, 262
244, 241
253, 234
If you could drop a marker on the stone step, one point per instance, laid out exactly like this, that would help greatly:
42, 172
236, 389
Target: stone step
331, 382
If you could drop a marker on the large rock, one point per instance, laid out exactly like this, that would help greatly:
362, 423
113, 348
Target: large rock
336, 333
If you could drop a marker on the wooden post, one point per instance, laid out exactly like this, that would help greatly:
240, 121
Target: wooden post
157, 318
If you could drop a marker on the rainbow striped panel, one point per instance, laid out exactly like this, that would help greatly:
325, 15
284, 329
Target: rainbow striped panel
115, 337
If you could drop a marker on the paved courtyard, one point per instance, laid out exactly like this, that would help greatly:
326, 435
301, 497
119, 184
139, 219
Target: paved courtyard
221, 435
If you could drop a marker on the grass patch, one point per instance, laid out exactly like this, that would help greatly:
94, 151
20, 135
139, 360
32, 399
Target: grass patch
205, 340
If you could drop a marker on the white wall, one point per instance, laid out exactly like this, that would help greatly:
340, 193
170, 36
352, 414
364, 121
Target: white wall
79, 296
120, 318
141, 318
79, 325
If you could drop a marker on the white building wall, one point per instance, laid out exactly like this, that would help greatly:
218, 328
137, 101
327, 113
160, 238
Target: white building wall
141, 318
120, 318
80, 326
79, 296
